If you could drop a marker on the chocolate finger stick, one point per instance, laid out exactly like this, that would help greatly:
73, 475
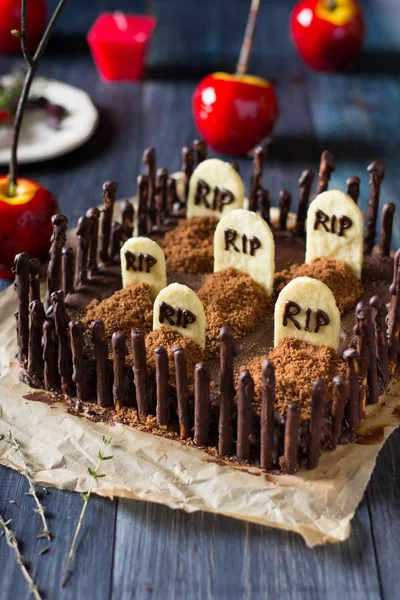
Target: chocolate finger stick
176, 207
317, 413
305, 183
34, 279
394, 316
285, 200
117, 232
140, 372
35, 357
162, 377
245, 401
289, 462
109, 196
21, 286
64, 350
385, 241
377, 175
338, 407
200, 148
256, 181
76, 330
353, 187
93, 214
67, 270
267, 414
57, 240
119, 354
264, 204
201, 403
145, 222
161, 197
227, 388
353, 373
149, 161
381, 340
187, 167
365, 333
182, 392
326, 168
128, 217
51, 380
100, 350
81, 271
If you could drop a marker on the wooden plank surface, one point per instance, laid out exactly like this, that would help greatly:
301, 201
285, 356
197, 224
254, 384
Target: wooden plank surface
141, 550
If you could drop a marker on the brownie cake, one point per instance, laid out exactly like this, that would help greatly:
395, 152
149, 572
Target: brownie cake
268, 360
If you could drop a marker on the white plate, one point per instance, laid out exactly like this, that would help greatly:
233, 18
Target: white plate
38, 141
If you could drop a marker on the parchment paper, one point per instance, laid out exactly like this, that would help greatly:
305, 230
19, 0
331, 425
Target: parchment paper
59, 447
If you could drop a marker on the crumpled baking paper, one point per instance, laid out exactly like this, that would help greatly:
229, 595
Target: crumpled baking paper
59, 448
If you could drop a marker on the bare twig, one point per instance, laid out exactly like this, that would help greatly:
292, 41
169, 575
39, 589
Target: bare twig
40, 509
12, 542
247, 44
86, 497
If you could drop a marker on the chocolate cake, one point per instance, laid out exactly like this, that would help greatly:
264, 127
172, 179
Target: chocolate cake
268, 360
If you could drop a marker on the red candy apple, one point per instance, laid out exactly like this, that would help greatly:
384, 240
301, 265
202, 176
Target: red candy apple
25, 222
10, 18
328, 33
233, 113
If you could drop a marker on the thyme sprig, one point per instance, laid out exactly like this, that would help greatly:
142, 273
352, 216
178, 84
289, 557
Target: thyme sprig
21, 562
94, 474
40, 509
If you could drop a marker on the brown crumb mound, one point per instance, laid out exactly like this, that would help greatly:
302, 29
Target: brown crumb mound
127, 308
231, 298
297, 365
189, 248
169, 339
336, 274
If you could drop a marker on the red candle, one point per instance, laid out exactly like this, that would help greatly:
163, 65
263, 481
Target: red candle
118, 43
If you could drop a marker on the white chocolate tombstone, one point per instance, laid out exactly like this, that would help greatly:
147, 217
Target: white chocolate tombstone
243, 240
142, 259
179, 307
215, 188
306, 309
335, 230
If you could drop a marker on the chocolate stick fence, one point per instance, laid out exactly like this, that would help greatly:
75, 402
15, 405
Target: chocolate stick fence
162, 377
245, 401
338, 408
352, 358
200, 148
305, 184
35, 356
256, 181
267, 421
51, 380
289, 462
102, 380
118, 345
381, 339
64, 350
76, 329
21, 286
57, 240
263, 201
93, 214
140, 372
326, 168
128, 219
377, 175
201, 403
385, 241
227, 388
34, 279
394, 316
142, 194
67, 270
81, 271
109, 197
187, 167
117, 232
353, 187
317, 413
182, 392
149, 161
285, 200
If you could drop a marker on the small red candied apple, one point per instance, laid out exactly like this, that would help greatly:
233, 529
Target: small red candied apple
25, 222
328, 34
234, 113
10, 19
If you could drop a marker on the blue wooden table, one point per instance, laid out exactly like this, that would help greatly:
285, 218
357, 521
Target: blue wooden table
138, 550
